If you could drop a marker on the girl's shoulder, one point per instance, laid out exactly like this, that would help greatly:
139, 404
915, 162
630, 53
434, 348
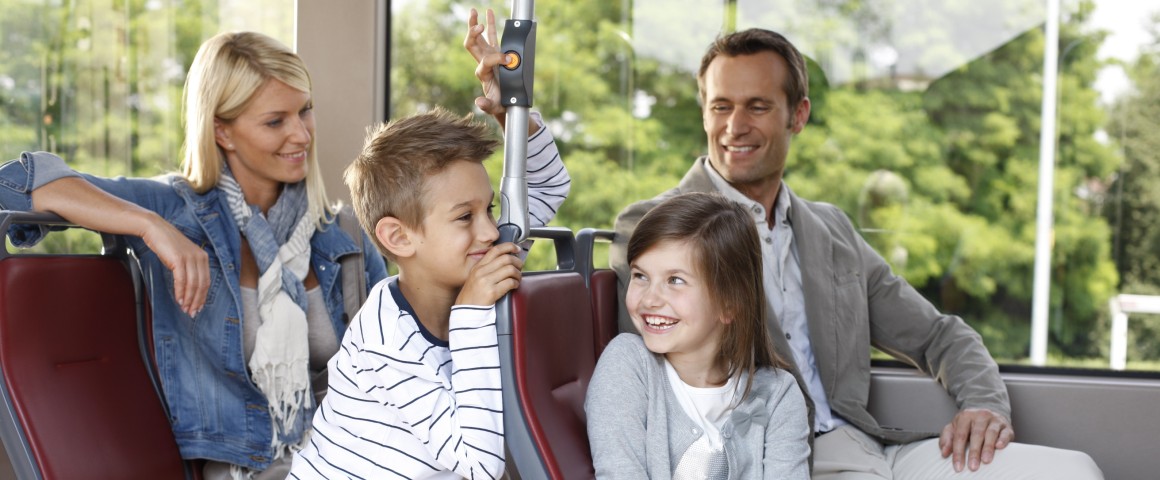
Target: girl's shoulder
775, 374
627, 350
774, 381
626, 344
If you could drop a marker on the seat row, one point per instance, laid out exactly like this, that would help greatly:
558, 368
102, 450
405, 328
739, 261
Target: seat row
81, 399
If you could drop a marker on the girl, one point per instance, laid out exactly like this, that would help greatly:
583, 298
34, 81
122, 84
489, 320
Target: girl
701, 384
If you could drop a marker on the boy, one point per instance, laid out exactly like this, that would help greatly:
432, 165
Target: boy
414, 391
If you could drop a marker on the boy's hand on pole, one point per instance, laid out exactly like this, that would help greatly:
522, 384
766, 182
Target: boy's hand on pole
497, 273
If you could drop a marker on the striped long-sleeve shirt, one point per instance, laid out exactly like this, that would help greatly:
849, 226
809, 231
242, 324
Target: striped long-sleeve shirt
548, 179
402, 403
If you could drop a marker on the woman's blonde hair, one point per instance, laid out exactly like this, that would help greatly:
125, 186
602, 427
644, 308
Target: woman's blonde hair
226, 73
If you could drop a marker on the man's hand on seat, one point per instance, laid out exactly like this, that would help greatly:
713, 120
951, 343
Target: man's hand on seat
974, 435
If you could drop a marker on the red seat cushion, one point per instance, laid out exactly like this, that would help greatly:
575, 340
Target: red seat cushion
73, 370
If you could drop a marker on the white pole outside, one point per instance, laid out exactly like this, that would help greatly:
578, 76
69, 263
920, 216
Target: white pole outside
1044, 218
1119, 351
1121, 305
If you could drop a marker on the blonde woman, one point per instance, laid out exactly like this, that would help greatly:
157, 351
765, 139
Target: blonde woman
240, 249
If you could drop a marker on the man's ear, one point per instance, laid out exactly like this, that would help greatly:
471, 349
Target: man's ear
800, 116
395, 236
221, 135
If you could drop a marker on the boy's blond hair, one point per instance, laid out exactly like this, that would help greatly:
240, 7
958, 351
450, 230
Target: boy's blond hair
387, 178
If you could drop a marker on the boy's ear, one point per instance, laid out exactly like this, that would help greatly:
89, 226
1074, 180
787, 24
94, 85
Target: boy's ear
395, 236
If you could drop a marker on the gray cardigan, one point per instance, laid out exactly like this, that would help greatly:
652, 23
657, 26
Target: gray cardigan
638, 430
853, 300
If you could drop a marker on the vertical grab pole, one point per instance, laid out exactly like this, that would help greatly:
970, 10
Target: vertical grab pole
515, 86
515, 83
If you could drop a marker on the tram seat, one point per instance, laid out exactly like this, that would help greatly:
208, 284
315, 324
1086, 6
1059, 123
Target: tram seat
560, 322
77, 399
601, 287
552, 359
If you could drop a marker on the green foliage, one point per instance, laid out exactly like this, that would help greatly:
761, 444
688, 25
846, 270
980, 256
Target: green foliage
98, 83
940, 175
942, 179
1132, 203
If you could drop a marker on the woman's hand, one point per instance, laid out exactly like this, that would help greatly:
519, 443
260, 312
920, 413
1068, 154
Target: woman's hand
188, 263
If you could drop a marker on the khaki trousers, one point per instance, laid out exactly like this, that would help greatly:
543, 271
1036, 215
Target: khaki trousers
847, 453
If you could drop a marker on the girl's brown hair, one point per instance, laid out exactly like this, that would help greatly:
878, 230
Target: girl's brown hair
727, 254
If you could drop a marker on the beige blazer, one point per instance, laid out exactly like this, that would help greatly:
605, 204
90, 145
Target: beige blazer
852, 301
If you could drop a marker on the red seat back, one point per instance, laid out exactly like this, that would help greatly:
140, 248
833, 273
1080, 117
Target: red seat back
554, 361
78, 400
551, 330
605, 307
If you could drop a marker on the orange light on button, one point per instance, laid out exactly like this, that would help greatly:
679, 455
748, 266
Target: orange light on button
513, 60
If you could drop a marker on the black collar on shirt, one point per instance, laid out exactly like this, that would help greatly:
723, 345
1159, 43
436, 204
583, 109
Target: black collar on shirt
405, 306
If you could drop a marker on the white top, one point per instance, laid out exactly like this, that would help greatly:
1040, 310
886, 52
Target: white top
783, 289
708, 407
320, 332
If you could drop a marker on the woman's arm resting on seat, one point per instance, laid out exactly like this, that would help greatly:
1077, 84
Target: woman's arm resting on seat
78, 201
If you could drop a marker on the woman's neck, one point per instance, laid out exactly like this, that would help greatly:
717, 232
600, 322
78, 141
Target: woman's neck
257, 191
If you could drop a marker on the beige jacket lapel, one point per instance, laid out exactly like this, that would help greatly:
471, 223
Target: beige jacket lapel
815, 260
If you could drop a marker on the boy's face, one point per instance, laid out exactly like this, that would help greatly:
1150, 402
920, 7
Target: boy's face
458, 226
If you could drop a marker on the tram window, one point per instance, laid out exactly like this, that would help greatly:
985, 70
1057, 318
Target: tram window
929, 115
99, 81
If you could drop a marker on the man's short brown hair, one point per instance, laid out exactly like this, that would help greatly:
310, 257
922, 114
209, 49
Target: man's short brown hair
387, 177
757, 40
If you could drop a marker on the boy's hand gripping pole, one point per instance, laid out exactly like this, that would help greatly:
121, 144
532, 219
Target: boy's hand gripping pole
515, 87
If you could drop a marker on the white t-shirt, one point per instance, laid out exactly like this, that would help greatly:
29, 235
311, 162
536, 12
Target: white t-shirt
709, 408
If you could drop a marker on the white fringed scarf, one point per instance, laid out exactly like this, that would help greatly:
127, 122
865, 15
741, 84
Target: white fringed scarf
279, 365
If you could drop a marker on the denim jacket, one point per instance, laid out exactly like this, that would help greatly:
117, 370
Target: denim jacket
216, 411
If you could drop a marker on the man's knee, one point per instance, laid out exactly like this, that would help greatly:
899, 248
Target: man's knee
1081, 463
1050, 462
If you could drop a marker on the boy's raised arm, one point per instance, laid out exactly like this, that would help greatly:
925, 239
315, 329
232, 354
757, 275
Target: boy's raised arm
548, 179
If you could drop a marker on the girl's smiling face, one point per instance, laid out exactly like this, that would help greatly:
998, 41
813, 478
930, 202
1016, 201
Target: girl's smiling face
670, 305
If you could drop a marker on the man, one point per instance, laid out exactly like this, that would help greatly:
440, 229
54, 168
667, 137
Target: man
830, 296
